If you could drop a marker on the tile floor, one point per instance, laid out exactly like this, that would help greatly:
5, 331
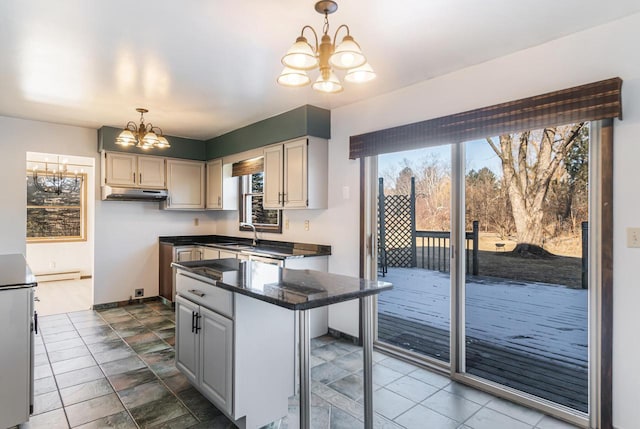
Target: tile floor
115, 368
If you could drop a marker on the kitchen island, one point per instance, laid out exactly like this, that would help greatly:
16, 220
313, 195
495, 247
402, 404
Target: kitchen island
17, 321
240, 301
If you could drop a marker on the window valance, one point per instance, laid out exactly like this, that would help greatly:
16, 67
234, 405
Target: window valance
594, 101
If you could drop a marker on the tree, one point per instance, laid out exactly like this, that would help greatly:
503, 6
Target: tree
530, 160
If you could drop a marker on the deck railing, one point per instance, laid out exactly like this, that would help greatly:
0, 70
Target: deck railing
433, 250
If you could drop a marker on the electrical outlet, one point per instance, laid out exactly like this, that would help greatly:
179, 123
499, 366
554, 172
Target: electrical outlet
196, 221
306, 225
139, 293
52, 264
633, 237
286, 223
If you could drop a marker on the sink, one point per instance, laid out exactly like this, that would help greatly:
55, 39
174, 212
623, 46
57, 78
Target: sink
234, 246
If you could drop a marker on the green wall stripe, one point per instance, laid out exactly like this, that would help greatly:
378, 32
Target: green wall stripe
180, 146
305, 120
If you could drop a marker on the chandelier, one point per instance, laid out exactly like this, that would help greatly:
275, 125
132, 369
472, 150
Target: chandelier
56, 178
302, 57
144, 135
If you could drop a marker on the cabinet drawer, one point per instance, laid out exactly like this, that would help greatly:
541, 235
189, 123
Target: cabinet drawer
205, 294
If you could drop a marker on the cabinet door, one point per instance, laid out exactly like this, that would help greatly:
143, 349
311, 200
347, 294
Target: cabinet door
273, 180
185, 183
295, 174
120, 169
216, 356
225, 255
184, 254
214, 184
209, 253
187, 340
151, 172
15, 368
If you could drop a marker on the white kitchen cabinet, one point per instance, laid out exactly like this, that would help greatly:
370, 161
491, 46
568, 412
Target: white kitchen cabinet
216, 355
187, 344
295, 174
134, 171
16, 359
222, 187
151, 172
247, 375
273, 176
210, 253
204, 350
188, 253
185, 184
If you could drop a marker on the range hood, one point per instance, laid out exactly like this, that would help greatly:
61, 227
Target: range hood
133, 194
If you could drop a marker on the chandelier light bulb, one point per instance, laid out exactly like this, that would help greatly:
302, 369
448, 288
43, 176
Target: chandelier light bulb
300, 56
294, 78
361, 74
330, 84
347, 54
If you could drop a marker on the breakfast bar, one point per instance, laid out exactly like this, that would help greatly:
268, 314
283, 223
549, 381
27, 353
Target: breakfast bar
295, 290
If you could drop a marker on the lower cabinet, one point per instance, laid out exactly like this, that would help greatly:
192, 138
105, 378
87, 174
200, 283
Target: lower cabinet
204, 351
237, 351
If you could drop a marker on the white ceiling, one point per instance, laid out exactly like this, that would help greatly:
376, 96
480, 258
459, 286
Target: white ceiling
206, 67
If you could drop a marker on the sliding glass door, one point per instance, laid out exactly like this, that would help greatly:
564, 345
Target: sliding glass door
526, 307
414, 221
514, 211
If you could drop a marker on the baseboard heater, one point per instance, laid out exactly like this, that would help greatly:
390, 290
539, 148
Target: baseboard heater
58, 275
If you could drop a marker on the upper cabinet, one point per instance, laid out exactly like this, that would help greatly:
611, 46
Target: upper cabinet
186, 185
295, 174
222, 188
134, 171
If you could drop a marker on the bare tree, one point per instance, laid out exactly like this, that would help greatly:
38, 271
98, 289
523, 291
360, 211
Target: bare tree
530, 160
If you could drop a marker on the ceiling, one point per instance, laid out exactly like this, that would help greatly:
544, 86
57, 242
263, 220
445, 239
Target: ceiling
206, 67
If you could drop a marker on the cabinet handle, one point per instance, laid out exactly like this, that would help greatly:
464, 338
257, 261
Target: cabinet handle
219, 200
196, 292
140, 182
35, 320
193, 321
134, 177
198, 328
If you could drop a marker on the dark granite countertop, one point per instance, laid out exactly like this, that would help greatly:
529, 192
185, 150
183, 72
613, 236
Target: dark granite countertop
270, 248
292, 289
15, 273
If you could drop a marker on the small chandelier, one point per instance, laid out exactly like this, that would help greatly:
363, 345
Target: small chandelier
144, 135
56, 178
302, 57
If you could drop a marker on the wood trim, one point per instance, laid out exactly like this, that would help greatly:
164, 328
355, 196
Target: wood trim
606, 239
594, 101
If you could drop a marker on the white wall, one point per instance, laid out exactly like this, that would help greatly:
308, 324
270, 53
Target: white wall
126, 233
600, 53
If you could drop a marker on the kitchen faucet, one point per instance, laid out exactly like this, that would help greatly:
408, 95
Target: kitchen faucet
255, 233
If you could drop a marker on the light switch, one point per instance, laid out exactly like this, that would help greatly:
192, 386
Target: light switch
345, 192
306, 225
633, 237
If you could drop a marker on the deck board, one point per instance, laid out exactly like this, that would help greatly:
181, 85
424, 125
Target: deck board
529, 336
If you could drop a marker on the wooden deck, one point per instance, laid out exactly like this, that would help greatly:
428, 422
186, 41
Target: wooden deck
529, 336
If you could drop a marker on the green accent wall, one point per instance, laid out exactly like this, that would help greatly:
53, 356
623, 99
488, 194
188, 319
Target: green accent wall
303, 121
180, 146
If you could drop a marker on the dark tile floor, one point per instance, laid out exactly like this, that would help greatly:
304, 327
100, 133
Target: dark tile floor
115, 369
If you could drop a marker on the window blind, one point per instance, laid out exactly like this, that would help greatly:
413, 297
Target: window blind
249, 166
590, 102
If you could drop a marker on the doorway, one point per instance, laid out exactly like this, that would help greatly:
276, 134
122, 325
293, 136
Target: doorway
60, 218
496, 288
